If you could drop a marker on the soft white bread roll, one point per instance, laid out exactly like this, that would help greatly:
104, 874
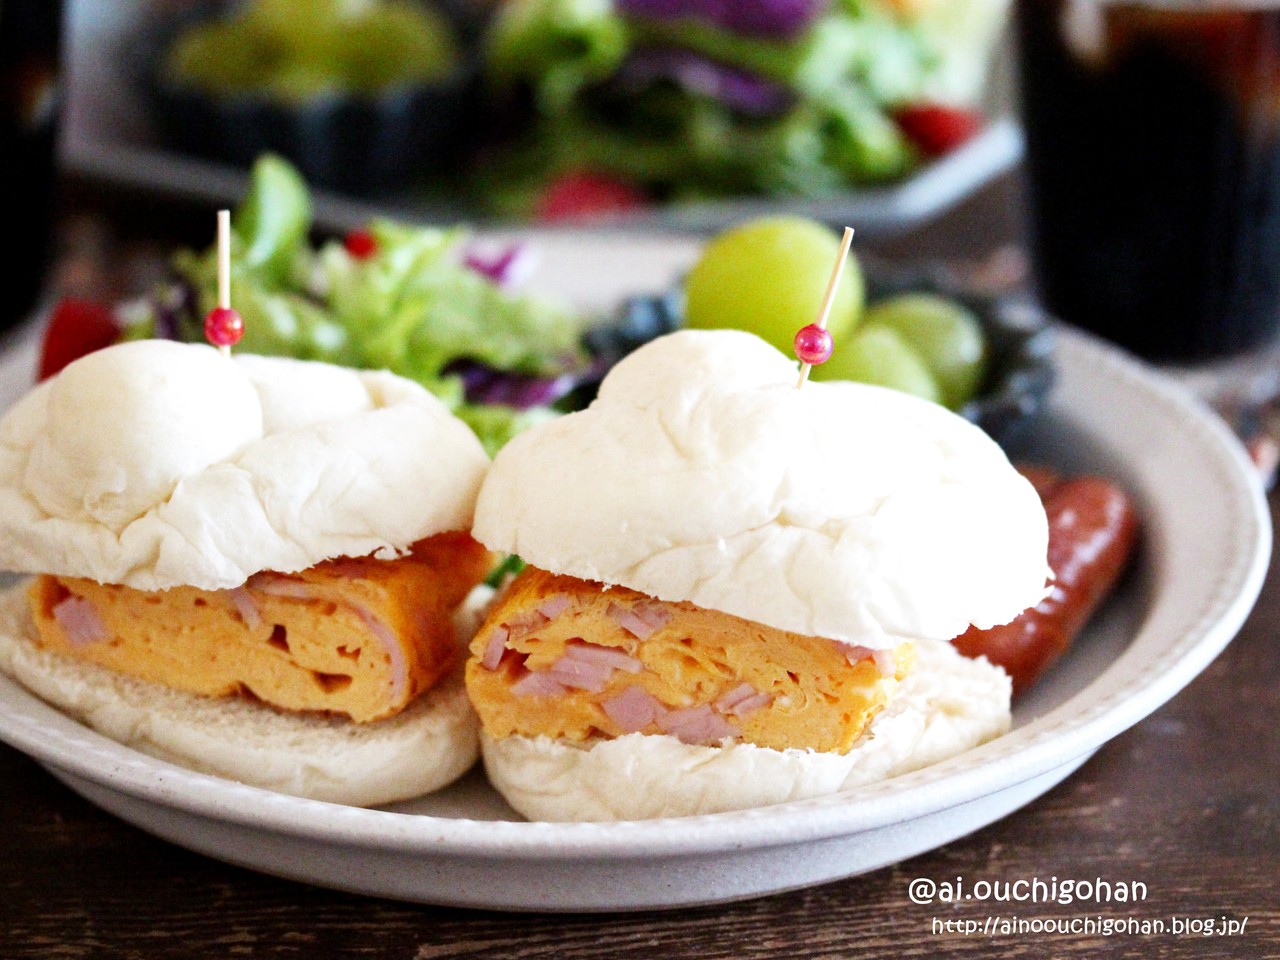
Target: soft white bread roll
157, 464
947, 705
424, 748
840, 510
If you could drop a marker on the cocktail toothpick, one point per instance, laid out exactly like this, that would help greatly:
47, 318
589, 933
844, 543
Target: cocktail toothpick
223, 327
813, 343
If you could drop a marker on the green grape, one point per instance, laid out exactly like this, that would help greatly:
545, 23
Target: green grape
298, 83
398, 43
296, 18
300, 50
768, 277
947, 337
217, 58
878, 355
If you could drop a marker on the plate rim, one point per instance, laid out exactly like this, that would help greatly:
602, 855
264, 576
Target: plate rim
1110, 703
883, 210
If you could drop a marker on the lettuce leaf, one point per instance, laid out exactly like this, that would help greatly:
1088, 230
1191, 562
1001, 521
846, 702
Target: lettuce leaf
412, 307
847, 71
558, 46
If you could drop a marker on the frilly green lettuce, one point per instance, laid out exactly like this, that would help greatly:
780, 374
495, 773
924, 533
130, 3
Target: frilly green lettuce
412, 307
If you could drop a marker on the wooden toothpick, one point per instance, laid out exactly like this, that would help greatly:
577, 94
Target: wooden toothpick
223, 326
224, 259
224, 268
827, 298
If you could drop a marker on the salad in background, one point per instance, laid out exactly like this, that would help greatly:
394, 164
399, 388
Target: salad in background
624, 101
434, 305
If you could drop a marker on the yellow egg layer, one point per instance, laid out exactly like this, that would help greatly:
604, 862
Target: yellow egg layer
816, 698
360, 637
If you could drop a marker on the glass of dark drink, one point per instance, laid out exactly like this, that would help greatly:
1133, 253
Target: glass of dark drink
1153, 153
30, 96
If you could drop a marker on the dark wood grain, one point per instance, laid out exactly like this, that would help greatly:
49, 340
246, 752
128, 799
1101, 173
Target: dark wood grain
1186, 802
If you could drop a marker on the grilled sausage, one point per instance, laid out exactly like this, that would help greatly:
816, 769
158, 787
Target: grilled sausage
1093, 528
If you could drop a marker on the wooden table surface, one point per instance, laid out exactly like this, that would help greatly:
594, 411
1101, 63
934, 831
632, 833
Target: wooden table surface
1186, 802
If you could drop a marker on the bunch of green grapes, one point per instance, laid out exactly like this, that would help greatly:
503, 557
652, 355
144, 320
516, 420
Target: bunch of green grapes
768, 277
295, 50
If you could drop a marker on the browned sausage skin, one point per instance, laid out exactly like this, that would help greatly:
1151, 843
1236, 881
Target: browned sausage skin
1044, 479
1093, 528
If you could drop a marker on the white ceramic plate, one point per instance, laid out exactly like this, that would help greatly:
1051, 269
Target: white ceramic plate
1207, 542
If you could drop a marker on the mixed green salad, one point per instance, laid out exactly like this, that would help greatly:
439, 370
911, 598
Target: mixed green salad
691, 98
429, 304
419, 301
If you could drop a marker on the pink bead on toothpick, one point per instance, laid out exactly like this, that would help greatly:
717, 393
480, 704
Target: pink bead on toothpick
813, 343
223, 327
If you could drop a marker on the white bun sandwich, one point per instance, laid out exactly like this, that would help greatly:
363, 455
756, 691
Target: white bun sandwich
246, 565
427, 746
740, 592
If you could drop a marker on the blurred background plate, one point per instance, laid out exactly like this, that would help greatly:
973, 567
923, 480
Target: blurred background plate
109, 135
875, 211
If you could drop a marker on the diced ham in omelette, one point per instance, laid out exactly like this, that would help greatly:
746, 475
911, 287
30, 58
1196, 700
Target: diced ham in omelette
357, 637
571, 659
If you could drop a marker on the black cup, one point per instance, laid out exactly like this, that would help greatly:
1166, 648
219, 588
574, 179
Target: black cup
1153, 151
30, 100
